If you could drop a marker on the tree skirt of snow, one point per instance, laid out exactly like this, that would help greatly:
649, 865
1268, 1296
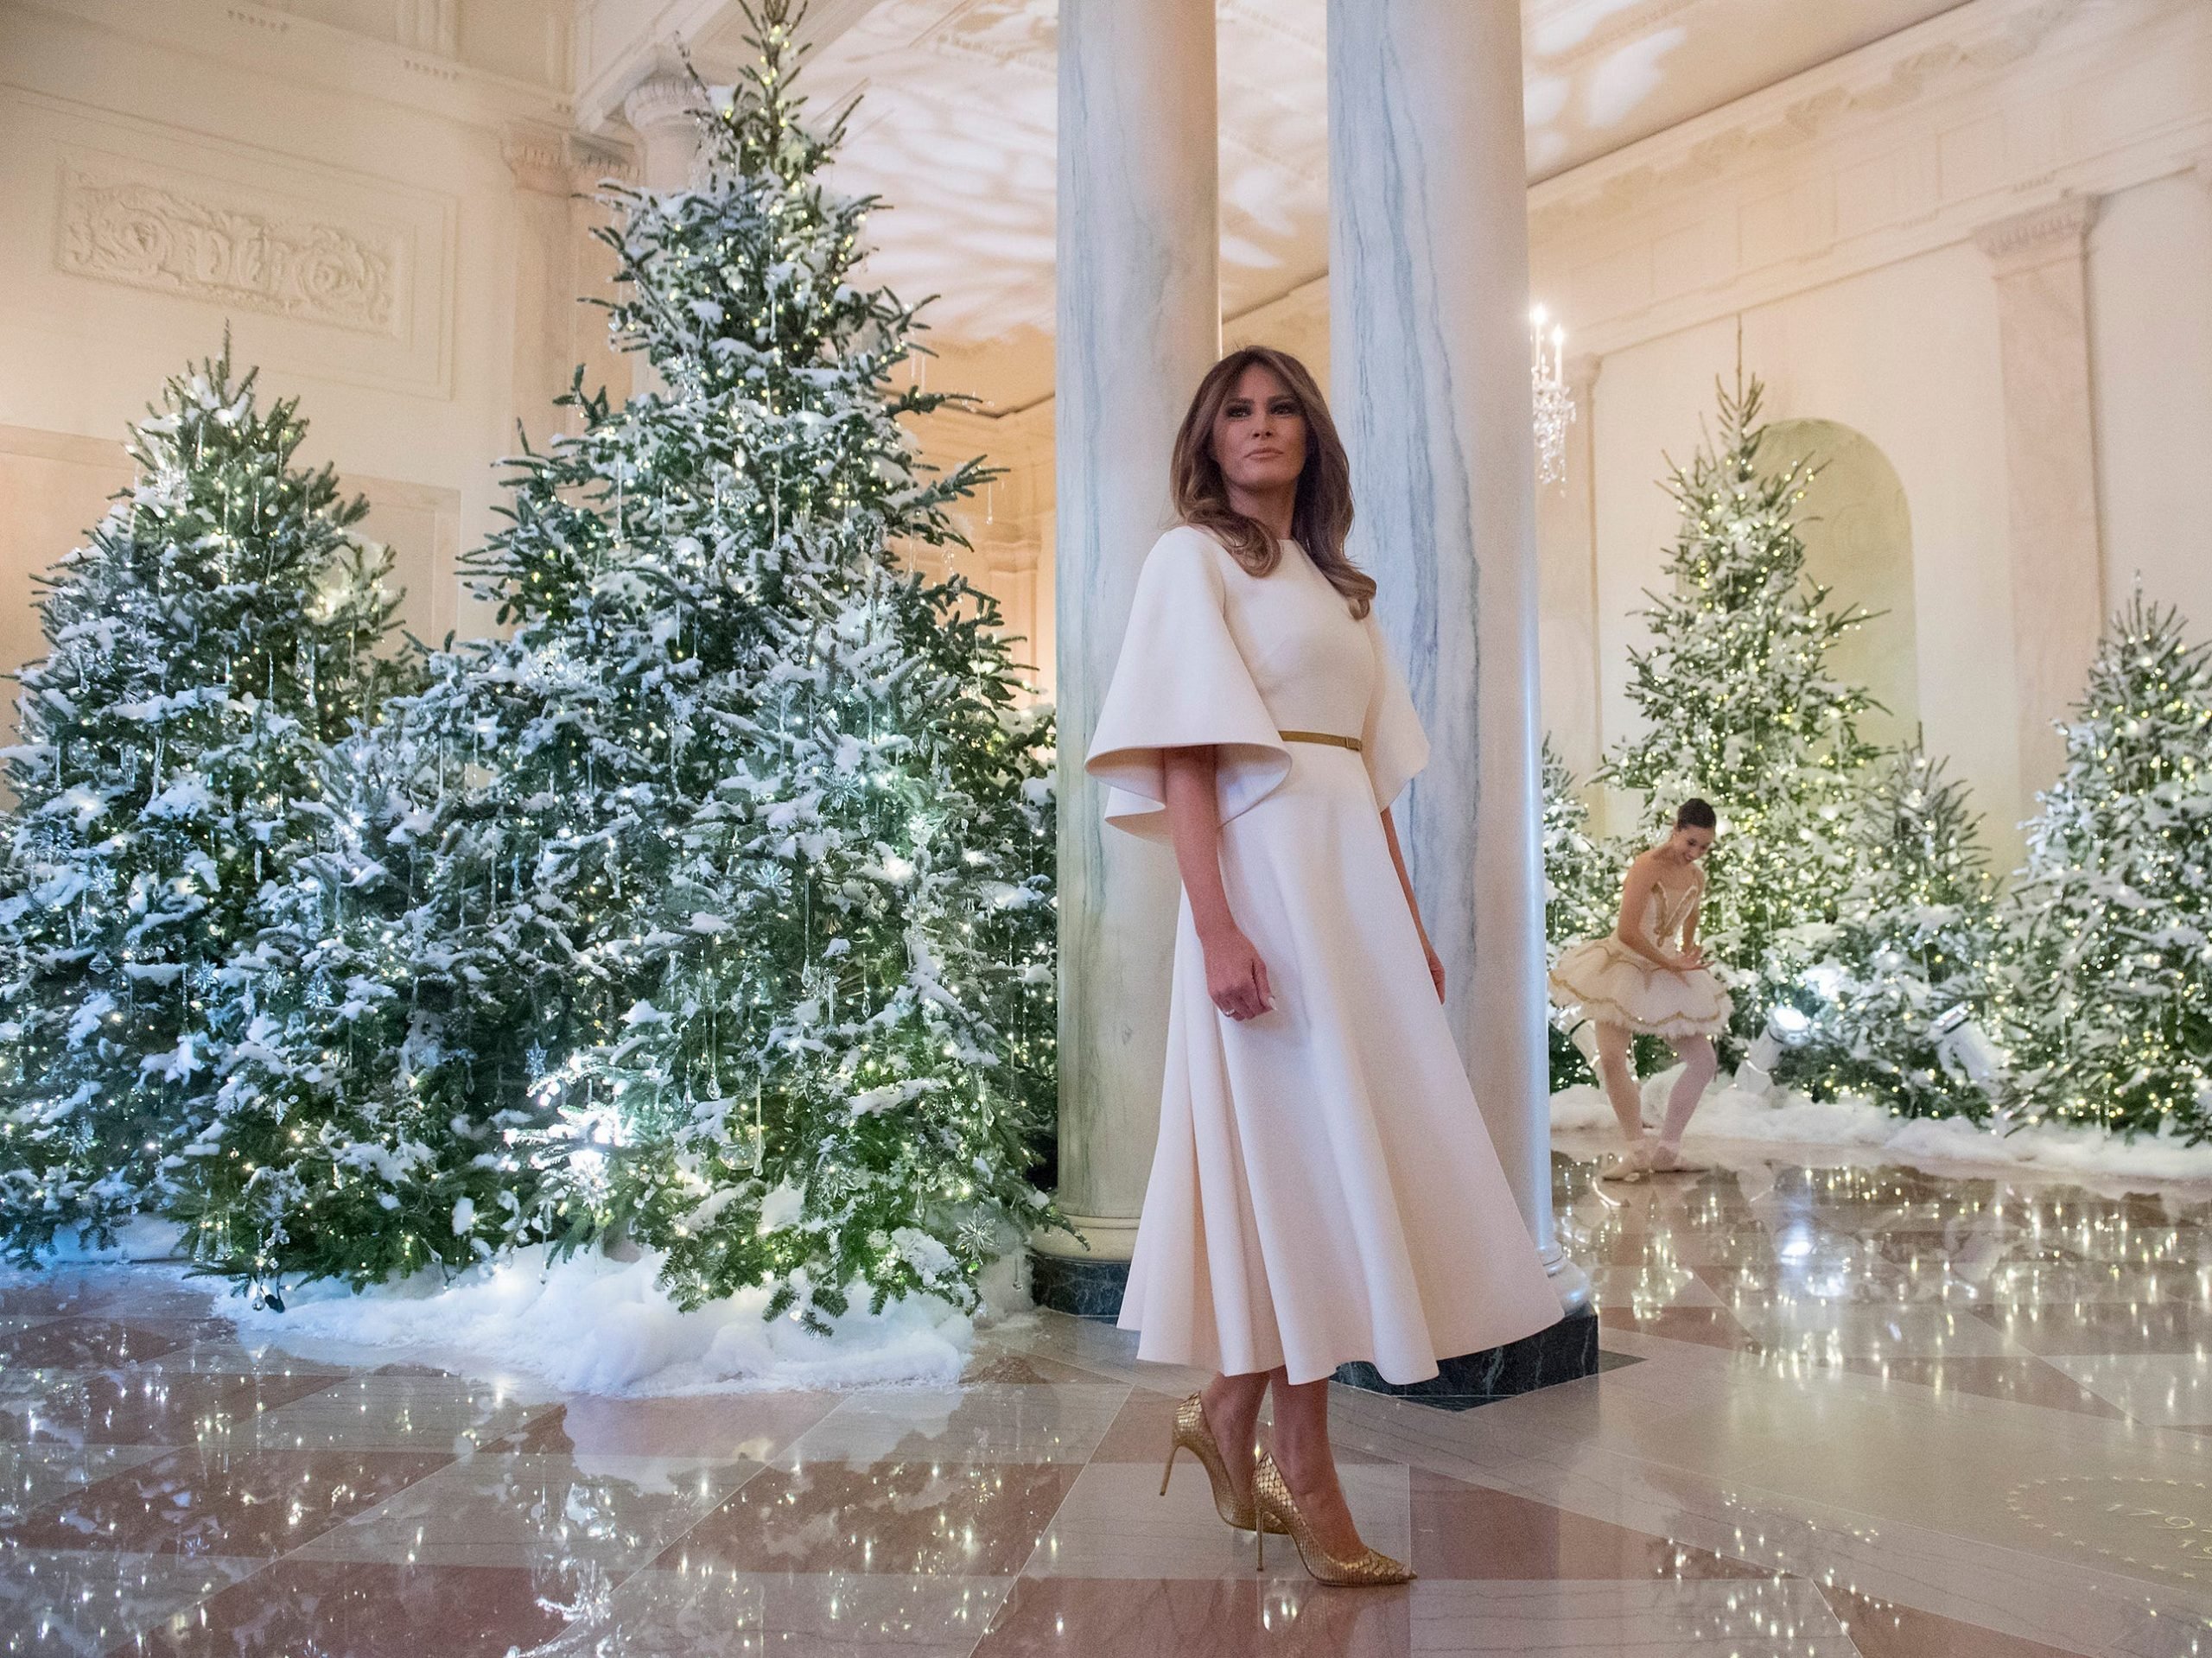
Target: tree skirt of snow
144, 1237
589, 1324
1788, 1118
593, 1324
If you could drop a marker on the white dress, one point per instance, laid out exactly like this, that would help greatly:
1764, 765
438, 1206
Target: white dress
1323, 1188
1613, 985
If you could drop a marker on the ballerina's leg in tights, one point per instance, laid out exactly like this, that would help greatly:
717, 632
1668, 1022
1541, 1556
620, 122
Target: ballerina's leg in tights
1616, 1070
1699, 1065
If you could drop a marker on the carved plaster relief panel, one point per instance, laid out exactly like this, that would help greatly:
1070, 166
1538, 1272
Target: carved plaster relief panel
131, 228
124, 222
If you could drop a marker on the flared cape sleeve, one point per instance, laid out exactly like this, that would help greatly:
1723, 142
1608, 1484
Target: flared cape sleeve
1181, 683
1392, 741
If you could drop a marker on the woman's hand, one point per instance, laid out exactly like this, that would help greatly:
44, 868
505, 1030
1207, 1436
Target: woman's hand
1689, 958
1435, 968
1236, 979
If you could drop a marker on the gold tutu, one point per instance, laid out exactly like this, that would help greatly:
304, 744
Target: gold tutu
1612, 984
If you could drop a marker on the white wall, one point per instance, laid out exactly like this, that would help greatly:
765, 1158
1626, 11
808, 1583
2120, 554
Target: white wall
2150, 364
1838, 218
1907, 356
157, 165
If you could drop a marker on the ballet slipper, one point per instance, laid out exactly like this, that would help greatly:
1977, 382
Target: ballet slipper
1629, 1167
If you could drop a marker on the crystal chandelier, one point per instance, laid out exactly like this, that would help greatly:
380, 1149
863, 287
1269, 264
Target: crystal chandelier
1555, 408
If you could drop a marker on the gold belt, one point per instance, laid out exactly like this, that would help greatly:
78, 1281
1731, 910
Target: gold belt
1328, 737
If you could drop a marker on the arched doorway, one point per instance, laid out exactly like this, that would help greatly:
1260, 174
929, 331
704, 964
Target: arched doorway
1857, 528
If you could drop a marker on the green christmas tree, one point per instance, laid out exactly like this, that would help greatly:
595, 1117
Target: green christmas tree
1581, 897
1905, 989
1738, 708
321, 1155
713, 900
2107, 999
217, 633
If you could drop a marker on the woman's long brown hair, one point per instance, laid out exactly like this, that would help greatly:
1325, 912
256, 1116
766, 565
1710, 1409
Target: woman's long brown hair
1321, 516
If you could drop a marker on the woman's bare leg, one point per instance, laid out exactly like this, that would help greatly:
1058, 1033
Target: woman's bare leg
1698, 1065
1300, 1442
1617, 1069
1232, 1409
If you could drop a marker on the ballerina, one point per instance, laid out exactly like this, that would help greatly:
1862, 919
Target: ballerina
1648, 974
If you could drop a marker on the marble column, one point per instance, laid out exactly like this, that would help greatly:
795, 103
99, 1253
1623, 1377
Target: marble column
2057, 562
1428, 272
660, 113
1139, 324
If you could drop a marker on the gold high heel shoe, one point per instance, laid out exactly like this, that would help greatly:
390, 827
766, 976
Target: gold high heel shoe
1191, 1433
1271, 1497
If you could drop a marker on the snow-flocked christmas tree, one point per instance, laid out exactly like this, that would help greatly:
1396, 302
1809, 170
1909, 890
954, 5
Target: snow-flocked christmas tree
1738, 707
217, 633
1904, 987
1581, 897
2107, 1001
711, 907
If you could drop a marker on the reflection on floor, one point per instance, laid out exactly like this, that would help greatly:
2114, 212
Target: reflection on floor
1850, 1410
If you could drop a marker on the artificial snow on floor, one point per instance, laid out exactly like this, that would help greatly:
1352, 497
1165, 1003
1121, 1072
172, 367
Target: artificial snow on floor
1787, 1118
590, 1323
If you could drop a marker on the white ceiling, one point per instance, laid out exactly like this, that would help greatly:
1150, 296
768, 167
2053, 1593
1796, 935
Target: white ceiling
954, 130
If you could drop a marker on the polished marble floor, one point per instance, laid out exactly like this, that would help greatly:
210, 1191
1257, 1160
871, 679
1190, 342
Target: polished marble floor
1846, 1409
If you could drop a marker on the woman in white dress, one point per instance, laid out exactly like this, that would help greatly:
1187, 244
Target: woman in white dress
1323, 1188
1648, 976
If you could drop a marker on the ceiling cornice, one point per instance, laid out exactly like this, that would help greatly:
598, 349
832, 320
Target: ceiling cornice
1973, 41
269, 40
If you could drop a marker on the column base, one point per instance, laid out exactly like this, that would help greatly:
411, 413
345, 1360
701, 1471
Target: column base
1082, 1270
1088, 1286
1564, 1352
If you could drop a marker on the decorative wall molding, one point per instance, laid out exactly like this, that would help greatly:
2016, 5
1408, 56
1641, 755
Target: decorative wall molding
304, 51
429, 25
128, 228
557, 163
538, 158
173, 235
1977, 39
2056, 230
256, 18
1913, 144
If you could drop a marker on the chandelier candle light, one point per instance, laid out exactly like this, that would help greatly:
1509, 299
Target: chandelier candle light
1554, 406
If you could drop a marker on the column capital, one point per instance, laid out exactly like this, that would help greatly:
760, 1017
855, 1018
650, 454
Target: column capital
2056, 230
592, 160
538, 157
660, 111
662, 102
1582, 371
551, 162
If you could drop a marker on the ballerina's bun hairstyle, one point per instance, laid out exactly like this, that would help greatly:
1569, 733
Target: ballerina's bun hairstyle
1696, 814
